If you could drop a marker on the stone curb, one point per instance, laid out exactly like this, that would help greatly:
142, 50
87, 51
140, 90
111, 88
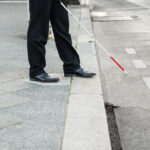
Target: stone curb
86, 125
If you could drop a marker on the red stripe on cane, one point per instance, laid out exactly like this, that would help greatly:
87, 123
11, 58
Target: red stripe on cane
117, 64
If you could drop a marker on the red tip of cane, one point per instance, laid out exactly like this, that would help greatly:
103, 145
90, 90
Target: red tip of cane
119, 65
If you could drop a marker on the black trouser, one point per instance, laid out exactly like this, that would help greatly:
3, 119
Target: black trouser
41, 12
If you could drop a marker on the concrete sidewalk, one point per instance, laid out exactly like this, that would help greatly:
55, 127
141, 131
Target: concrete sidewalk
69, 115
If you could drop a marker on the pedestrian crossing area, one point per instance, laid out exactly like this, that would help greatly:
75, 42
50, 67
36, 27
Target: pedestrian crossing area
139, 64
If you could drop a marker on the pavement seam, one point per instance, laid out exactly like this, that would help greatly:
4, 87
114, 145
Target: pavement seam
66, 113
76, 46
12, 125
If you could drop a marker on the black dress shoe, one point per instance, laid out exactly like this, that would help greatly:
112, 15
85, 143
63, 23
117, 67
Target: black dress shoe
79, 73
44, 77
73, 2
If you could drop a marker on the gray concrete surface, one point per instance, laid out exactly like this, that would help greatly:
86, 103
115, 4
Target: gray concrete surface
33, 115
86, 123
131, 93
134, 127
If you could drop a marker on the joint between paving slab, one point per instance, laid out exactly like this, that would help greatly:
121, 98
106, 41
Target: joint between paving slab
16, 105
76, 46
31, 100
7, 92
66, 114
12, 125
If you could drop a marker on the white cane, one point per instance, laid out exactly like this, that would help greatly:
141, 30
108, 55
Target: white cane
96, 41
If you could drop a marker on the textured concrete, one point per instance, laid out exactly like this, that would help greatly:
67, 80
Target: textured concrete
130, 93
82, 86
133, 125
43, 120
121, 35
9, 100
147, 81
51, 93
86, 125
14, 86
9, 120
32, 115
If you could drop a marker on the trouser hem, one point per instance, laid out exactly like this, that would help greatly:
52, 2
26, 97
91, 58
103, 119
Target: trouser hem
35, 73
69, 70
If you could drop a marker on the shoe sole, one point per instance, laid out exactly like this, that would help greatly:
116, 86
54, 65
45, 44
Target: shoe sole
75, 75
31, 79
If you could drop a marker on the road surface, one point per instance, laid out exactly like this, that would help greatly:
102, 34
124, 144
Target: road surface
123, 28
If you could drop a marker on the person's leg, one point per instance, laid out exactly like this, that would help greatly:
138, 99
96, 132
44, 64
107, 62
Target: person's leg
60, 24
38, 34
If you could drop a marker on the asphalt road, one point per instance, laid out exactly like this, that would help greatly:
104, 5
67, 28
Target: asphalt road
123, 28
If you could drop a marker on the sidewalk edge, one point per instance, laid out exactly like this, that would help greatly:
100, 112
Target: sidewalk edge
86, 125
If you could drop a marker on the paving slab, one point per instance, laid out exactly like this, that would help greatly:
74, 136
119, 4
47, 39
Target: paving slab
86, 124
51, 93
84, 127
82, 86
44, 120
14, 86
32, 136
10, 100
7, 120
2, 147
